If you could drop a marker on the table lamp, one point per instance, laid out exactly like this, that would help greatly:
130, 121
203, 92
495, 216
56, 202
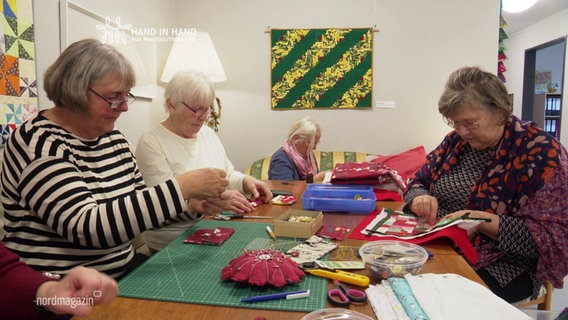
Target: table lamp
195, 52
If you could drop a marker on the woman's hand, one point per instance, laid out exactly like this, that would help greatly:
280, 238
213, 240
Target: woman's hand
230, 200
425, 206
257, 188
320, 176
203, 183
203, 207
490, 229
85, 287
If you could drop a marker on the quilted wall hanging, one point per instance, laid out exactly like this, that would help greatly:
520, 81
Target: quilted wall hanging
321, 68
18, 87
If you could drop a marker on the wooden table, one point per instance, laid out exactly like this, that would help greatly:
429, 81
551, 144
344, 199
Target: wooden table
445, 260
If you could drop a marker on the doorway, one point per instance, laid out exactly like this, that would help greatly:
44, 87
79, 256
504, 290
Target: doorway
543, 84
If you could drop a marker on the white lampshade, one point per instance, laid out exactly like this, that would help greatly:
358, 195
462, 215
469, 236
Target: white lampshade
194, 53
514, 6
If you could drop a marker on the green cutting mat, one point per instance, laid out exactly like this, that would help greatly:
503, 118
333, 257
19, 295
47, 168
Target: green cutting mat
191, 273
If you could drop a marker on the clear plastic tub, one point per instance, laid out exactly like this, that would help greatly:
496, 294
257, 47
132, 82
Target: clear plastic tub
389, 258
336, 314
339, 198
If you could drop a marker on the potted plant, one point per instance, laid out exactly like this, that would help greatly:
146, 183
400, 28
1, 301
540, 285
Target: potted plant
552, 87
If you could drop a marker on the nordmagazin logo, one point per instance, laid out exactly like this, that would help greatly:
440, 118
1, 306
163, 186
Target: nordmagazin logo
72, 302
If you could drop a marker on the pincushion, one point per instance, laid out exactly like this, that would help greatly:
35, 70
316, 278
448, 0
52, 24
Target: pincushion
263, 267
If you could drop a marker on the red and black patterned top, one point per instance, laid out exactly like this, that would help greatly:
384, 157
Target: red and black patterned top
525, 181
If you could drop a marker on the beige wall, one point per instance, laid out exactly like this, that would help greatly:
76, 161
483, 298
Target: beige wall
549, 29
419, 43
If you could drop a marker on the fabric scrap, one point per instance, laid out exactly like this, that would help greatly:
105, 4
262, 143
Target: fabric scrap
404, 294
451, 296
396, 305
380, 302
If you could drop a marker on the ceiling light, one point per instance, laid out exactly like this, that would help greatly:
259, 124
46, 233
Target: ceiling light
514, 6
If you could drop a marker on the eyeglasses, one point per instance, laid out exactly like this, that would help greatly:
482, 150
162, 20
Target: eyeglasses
469, 125
199, 112
113, 104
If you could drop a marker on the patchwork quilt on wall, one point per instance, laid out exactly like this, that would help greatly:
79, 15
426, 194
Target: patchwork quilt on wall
18, 86
321, 68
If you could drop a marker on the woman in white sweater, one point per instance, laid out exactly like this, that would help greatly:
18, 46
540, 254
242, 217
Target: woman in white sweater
180, 143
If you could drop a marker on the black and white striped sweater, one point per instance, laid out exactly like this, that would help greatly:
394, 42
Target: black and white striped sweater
70, 201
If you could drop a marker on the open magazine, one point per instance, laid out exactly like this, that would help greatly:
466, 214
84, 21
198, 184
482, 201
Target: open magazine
390, 223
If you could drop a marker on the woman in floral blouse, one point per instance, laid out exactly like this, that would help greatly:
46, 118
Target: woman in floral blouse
494, 165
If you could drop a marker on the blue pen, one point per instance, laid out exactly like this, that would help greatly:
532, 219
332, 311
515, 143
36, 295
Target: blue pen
276, 296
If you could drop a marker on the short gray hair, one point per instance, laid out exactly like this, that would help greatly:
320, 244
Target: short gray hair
474, 85
191, 88
80, 65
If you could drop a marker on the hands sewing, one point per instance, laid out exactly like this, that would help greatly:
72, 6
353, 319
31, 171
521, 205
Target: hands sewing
233, 200
427, 206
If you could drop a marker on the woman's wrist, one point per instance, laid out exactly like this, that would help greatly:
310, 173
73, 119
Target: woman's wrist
490, 227
43, 293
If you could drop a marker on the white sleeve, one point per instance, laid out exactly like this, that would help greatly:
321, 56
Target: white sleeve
152, 160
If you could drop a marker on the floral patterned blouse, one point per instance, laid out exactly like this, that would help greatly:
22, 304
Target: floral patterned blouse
524, 181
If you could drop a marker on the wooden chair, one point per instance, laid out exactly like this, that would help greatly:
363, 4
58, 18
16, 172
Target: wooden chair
543, 302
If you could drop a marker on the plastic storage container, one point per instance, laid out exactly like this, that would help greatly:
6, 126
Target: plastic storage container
390, 258
339, 198
336, 314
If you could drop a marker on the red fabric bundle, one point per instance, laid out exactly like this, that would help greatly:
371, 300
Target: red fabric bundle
368, 173
405, 163
263, 267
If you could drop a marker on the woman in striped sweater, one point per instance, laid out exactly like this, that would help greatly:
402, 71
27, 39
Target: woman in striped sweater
71, 188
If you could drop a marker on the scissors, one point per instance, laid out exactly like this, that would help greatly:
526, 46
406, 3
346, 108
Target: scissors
341, 296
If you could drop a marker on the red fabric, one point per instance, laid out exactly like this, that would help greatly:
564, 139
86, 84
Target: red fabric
210, 236
366, 173
454, 233
406, 163
333, 232
18, 285
387, 195
263, 267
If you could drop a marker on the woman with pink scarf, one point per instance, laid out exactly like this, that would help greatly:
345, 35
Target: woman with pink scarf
295, 160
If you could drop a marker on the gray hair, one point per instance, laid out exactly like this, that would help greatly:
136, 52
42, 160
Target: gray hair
195, 89
80, 65
476, 86
304, 128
